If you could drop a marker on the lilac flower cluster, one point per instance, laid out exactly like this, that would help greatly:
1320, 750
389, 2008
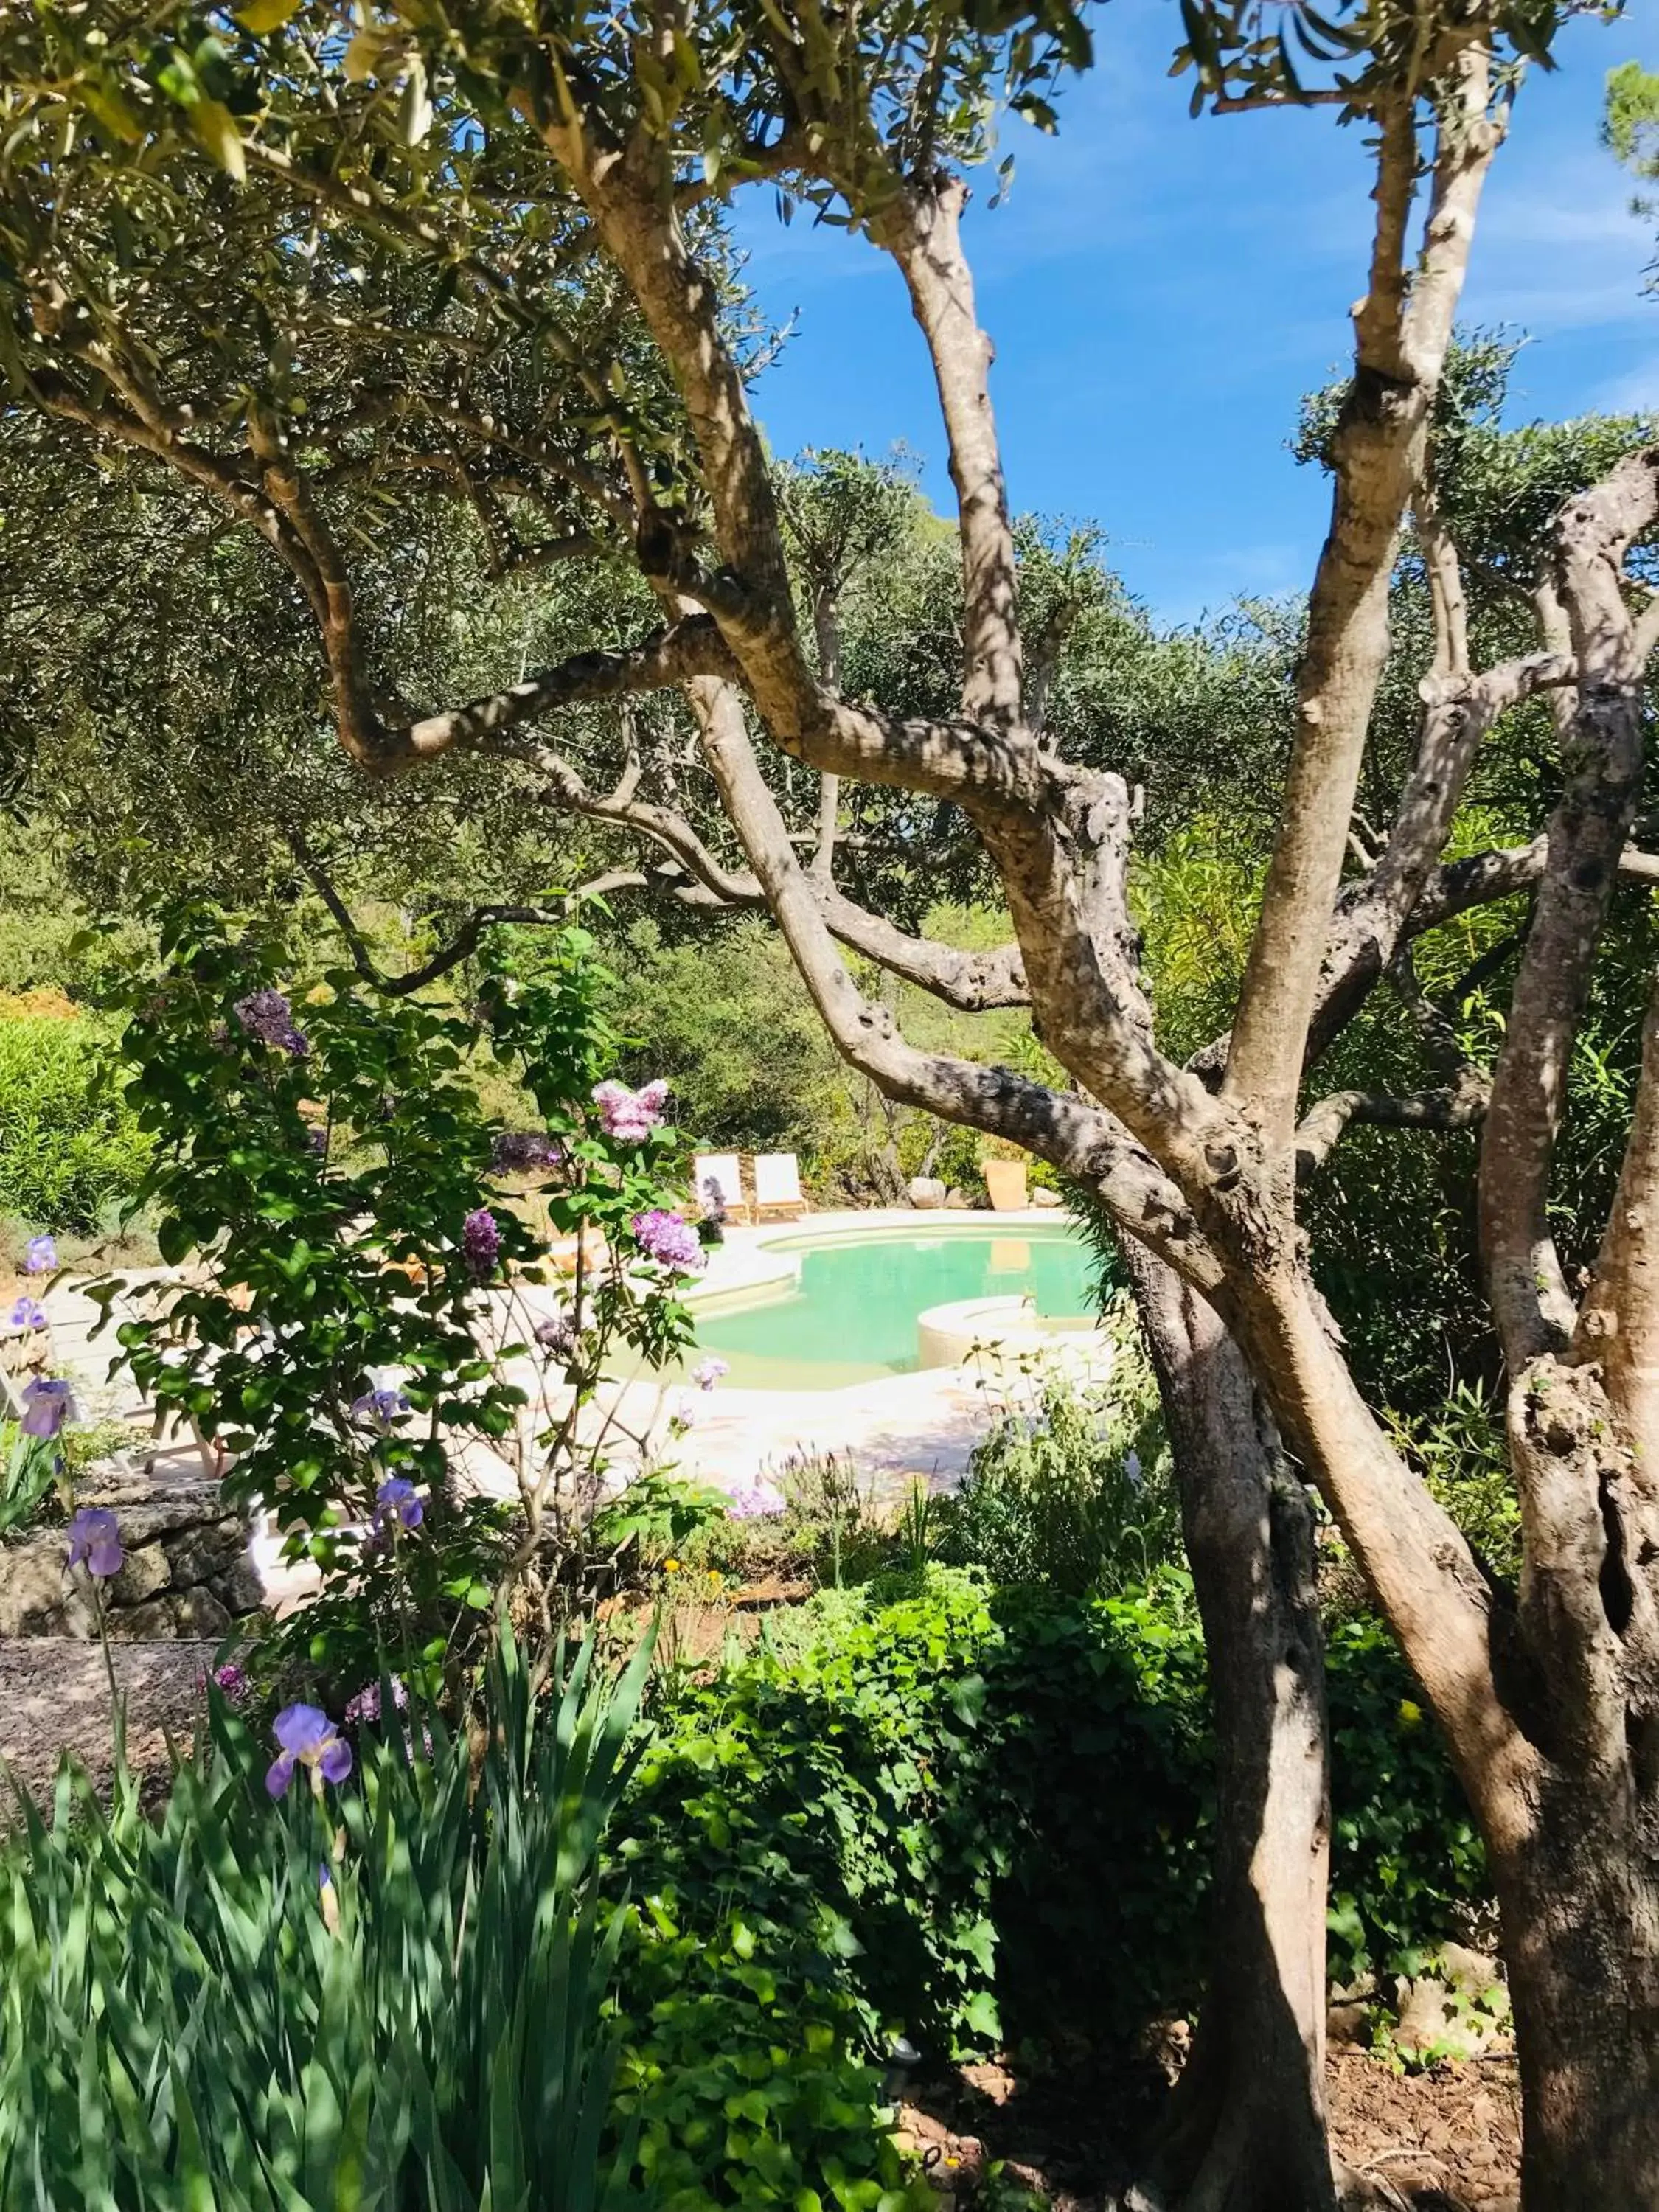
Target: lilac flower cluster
307, 1737
95, 1542
669, 1239
559, 1337
268, 1016
630, 1115
707, 1372
481, 1243
756, 1500
48, 1402
396, 1506
525, 1151
366, 1705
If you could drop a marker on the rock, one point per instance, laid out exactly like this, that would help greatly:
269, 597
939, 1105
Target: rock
199, 1555
1349, 2023
1474, 1975
958, 1200
33, 1587
200, 1613
240, 1590
1043, 1196
143, 1572
926, 1192
155, 1623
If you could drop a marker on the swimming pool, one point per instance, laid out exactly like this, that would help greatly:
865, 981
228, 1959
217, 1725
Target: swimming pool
852, 1316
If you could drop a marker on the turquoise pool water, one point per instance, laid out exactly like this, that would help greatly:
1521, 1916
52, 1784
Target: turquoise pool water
852, 1318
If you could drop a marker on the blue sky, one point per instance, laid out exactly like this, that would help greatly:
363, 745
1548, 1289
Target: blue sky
1160, 290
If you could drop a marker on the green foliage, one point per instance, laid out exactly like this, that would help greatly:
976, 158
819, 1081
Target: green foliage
388, 1997
1408, 1866
1072, 1486
900, 1818
68, 1145
29, 1468
332, 1177
1463, 1455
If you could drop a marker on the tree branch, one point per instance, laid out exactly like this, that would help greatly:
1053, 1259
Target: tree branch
1530, 1300
1401, 336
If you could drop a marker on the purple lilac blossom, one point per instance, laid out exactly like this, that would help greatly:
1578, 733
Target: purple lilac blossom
48, 1402
366, 1705
307, 1737
397, 1506
95, 1541
40, 1257
28, 1313
525, 1151
670, 1239
268, 1016
707, 1372
756, 1501
558, 1335
481, 1243
630, 1115
379, 1409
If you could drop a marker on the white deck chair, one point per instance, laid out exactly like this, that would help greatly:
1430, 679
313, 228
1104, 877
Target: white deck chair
777, 1184
722, 1170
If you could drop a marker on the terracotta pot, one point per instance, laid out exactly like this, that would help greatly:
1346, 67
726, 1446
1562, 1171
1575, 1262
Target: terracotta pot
1004, 1182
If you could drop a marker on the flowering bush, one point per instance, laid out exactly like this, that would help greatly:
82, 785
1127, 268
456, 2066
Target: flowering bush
367, 1308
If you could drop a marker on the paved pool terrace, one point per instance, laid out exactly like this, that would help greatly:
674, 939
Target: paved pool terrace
896, 1428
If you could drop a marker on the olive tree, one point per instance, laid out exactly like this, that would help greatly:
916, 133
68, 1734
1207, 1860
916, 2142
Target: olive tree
291, 258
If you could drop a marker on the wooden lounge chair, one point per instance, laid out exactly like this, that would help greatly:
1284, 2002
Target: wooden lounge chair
723, 1171
777, 1184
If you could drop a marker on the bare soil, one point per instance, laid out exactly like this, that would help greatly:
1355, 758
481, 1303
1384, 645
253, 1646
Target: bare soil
1445, 2140
54, 1696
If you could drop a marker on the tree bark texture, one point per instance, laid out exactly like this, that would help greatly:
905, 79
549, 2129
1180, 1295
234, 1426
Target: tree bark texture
1246, 2129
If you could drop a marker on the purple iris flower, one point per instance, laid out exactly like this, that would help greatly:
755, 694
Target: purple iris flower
40, 1257
379, 1409
670, 1239
268, 1016
306, 1738
630, 1115
48, 1402
28, 1313
95, 1541
481, 1243
397, 1506
230, 1682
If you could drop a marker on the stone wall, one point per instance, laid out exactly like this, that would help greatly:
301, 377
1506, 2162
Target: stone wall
187, 1572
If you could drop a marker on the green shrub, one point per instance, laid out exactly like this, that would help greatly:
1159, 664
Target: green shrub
970, 1815
1071, 1486
387, 1996
69, 1146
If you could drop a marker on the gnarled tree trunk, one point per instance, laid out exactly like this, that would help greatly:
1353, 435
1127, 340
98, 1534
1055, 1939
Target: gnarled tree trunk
1246, 2129
1580, 1935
